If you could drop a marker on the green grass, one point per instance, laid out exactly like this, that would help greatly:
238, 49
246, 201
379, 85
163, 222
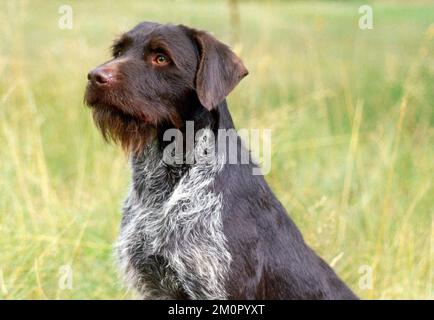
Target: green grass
351, 113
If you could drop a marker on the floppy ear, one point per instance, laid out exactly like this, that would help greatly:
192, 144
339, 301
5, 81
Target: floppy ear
218, 72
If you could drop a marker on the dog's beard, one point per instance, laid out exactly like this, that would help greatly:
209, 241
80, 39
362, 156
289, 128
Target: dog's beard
131, 133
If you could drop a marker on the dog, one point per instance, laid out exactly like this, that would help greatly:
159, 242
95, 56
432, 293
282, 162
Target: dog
195, 229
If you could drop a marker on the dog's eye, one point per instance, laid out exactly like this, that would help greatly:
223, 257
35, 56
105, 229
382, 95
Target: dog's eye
161, 59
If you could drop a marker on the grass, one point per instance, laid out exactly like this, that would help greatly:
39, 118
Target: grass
351, 114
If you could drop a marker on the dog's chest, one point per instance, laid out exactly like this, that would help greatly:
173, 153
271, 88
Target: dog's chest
171, 243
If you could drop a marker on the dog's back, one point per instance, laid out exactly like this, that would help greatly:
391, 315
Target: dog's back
270, 259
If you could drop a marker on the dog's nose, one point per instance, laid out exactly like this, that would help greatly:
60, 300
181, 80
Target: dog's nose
100, 76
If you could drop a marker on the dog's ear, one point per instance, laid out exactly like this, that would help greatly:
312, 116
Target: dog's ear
218, 72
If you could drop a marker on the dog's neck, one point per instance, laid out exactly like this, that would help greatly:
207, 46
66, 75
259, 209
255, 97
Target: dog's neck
198, 119
217, 118
150, 169
223, 116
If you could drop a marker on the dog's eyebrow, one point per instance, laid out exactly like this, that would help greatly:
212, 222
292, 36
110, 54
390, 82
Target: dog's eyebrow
121, 43
159, 44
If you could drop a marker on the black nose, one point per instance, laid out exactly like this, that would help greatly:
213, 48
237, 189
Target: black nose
100, 76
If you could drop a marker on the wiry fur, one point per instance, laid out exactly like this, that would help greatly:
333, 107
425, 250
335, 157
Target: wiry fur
171, 243
207, 230
120, 127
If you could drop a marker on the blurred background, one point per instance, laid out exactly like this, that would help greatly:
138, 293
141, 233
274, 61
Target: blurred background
351, 113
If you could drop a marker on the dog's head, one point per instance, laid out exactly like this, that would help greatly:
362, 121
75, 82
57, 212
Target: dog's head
157, 74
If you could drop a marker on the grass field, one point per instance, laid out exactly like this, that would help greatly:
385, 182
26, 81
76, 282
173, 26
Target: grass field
352, 119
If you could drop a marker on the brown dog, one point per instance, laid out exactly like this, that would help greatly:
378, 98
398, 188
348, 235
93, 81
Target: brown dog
201, 230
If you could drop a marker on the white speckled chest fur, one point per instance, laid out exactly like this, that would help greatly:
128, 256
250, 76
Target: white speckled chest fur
171, 243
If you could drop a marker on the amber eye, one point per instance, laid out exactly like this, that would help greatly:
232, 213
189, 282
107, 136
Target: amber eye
161, 59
